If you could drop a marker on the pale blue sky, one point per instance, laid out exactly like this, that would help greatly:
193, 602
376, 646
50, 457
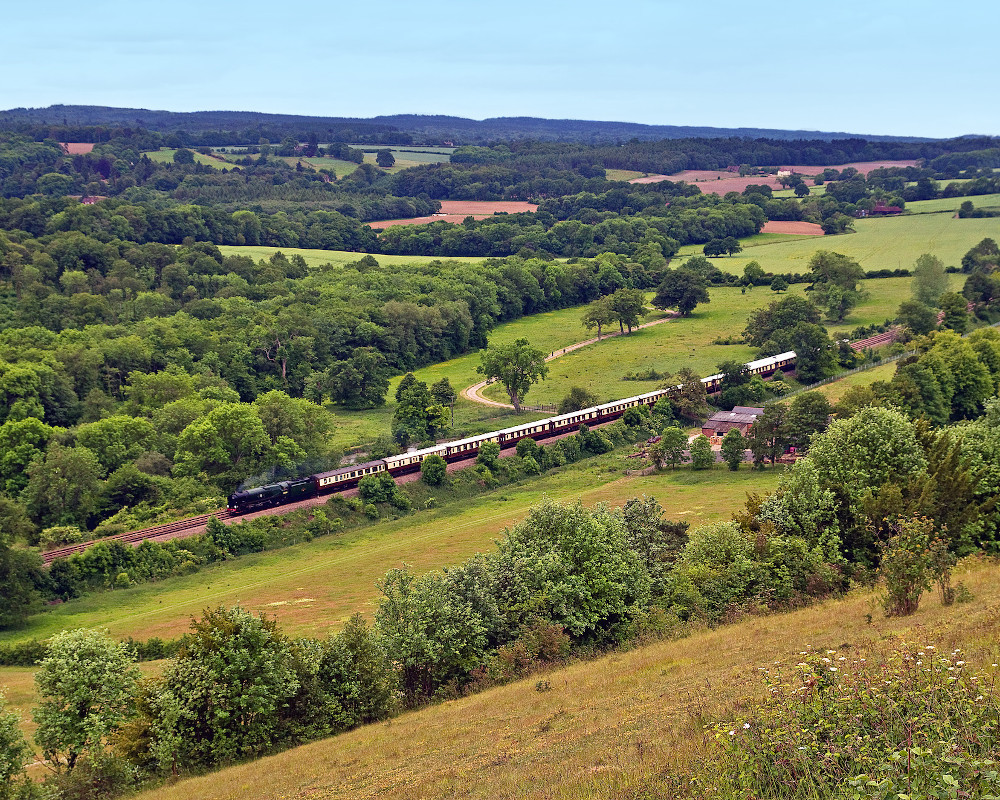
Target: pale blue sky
904, 67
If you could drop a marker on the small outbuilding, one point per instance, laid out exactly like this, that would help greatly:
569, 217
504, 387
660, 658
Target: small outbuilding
742, 417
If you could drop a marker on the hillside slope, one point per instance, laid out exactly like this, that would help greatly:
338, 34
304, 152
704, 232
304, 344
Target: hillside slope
607, 728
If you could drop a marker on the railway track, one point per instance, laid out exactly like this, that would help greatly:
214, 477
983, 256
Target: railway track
136, 537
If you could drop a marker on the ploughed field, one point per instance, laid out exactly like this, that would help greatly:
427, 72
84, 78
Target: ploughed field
720, 181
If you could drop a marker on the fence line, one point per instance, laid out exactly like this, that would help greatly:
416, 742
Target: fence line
866, 367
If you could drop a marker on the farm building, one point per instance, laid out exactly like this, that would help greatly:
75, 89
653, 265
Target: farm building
742, 417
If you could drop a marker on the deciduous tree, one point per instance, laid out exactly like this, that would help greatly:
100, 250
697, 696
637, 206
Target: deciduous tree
86, 683
517, 365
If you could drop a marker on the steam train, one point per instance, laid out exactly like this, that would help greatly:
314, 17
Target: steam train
276, 494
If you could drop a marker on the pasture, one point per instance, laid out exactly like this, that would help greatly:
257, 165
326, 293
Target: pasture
166, 156
683, 342
312, 588
888, 243
835, 390
616, 726
952, 204
320, 258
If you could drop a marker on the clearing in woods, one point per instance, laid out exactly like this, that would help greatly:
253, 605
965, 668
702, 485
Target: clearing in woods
166, 156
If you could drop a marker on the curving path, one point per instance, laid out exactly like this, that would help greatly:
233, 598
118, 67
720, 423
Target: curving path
473, 392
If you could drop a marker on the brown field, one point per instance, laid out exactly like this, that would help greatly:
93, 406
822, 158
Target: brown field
77, 148
799, 228
486, 206
458, 210
722, 181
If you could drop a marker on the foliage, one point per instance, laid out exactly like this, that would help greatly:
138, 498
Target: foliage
908, 723
907, 564
682, 289
929, 279
577, 399
516, 365
14, 755
87, 684
702, 456
836, 283
433, 470
734, 446
573, 566
231, 677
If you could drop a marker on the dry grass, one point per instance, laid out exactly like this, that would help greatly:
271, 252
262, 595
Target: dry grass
606, 728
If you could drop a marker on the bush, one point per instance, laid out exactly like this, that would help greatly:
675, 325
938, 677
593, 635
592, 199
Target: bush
530, 466
702, 456
910, 562
433, 470
489, 455
637, 416
907, 723
378, 488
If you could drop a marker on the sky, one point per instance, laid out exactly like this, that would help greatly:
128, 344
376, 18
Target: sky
891, 67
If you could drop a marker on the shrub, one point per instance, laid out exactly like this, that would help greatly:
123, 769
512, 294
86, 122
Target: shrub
489, 455
907, 565
378, 488
433, 470
907, 723
702, 456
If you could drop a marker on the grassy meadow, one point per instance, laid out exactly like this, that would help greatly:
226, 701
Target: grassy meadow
889, 243
166, 156
612, 727
951, 203
314, 587
668, 347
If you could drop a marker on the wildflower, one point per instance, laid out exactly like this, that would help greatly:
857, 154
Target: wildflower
732, 733
831, 652
959, 663
826, 660
833, 669
746, 725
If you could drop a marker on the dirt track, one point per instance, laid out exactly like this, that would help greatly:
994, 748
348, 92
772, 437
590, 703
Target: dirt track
473, 392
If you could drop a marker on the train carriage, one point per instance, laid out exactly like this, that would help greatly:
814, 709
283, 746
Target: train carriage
348, 477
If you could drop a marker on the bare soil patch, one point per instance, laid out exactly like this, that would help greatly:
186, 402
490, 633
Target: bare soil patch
457, 210
720, 181
77, 148
486, 206
800, 228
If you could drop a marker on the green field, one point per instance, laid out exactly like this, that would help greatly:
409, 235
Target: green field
340, 168
952, 204
319, 258
312, 588
786, 193
623, 174
890, 243
835, 390
685, 342
166, 156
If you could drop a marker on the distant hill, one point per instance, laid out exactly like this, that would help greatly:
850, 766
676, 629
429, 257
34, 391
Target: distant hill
399, 128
